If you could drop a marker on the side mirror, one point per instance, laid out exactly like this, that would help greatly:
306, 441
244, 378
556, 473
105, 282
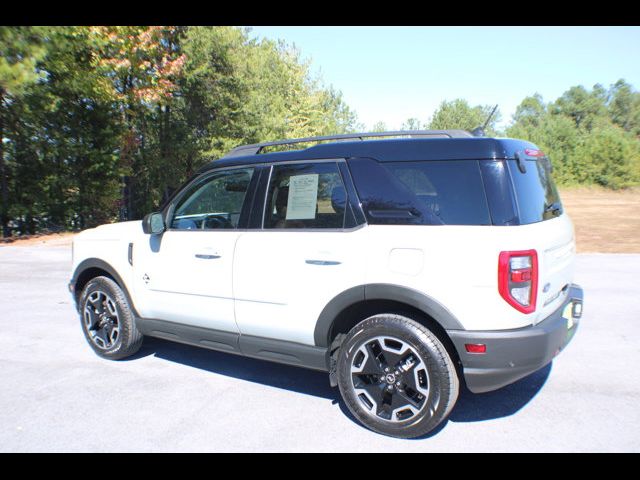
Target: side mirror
153, 223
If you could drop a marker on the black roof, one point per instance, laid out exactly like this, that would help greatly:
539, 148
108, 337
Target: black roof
397, 149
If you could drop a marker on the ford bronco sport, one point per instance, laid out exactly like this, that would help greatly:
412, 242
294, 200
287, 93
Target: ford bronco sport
400, 266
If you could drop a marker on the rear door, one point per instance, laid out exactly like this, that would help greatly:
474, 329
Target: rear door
308, 250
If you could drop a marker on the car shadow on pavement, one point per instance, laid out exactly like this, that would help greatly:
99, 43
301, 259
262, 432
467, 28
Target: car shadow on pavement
299, 380
475, 407
470, 407
478, 407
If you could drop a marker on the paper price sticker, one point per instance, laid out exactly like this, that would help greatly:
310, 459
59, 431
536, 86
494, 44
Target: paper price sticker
303, 196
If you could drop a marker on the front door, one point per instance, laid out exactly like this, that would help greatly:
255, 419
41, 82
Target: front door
185, 274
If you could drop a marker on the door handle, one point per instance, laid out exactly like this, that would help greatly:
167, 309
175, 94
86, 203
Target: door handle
322, 262
206, 256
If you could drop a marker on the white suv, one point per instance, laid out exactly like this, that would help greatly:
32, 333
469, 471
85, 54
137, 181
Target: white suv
401, 266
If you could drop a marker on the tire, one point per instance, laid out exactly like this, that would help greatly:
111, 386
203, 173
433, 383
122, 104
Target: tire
417, 390
107, 320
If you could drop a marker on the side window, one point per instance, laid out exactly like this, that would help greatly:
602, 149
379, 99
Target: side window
452, 190
213, 203
309, 195
421, 192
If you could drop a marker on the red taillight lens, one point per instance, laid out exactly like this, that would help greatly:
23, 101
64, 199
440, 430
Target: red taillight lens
521, 275
518, 279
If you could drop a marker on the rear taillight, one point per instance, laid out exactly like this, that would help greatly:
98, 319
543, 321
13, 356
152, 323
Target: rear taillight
518, 279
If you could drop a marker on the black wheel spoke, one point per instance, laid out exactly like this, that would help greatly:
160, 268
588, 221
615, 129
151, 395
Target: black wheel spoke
375, 391
409, 380
96, 302
372, 364
403, 399
390, 359
413, 386
90, 318
102, 336
384, 406
108, 331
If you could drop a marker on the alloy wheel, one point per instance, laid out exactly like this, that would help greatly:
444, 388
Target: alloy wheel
390, 379
101, 319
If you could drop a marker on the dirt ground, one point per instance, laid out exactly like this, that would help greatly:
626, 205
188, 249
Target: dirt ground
54, 239
606, 221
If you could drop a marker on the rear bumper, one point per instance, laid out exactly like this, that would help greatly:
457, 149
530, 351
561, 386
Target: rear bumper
514, 354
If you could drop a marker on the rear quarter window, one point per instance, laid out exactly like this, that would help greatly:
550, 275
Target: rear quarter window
447, 192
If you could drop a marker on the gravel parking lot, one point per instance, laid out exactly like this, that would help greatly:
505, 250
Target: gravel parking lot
57, 395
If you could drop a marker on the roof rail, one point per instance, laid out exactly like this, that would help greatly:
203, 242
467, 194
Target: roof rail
256, 148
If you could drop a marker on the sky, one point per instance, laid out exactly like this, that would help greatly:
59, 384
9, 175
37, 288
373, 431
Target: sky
390, 74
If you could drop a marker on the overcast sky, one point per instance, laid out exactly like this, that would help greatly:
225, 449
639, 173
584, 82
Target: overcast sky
390, 74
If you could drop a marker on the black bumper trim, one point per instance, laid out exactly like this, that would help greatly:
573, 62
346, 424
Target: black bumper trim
514, 354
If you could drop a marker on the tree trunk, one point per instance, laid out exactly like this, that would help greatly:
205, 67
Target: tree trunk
4, 212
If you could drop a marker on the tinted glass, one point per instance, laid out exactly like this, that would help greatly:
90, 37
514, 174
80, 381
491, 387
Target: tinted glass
497, 186
309, 195
535, 191
421, 192
213, 203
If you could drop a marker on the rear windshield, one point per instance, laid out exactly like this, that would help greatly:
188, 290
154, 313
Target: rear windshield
536, 194
447, 192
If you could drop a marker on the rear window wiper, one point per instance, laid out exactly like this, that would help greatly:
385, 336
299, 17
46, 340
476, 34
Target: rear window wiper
555, 208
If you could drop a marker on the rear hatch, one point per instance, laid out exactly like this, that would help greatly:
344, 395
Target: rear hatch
539, 206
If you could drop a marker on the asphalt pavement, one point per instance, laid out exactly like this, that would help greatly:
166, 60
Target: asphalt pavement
56, 395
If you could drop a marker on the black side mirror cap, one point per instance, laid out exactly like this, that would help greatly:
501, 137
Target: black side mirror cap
153, 223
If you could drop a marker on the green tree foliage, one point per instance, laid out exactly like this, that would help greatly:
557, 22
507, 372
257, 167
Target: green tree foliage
583, 106
624, 107
62, 141
555, 134
591, 136
20, 49
412, 124
611, 155
84, 108
458, 114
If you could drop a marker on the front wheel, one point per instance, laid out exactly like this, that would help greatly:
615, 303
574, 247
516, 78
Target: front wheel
107, 320
396, 377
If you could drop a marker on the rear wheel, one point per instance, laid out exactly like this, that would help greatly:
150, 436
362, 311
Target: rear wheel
396, 377
107, 320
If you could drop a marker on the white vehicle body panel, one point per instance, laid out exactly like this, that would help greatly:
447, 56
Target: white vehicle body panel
184, 276
460, 266
283, 279
109, 243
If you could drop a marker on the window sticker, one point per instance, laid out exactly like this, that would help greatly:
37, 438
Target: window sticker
303, 195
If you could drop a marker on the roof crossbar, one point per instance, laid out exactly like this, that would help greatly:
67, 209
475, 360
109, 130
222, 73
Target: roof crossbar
256, 148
